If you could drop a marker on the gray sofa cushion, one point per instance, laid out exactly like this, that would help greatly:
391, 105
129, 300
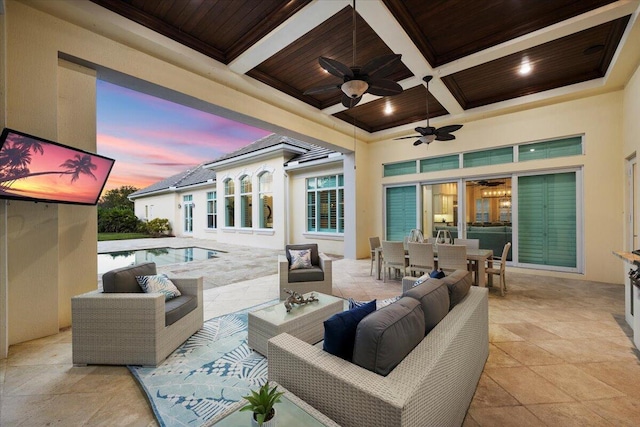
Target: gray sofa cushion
313, 274
434, 298
178, 307
458, 283
386, 336
124, 279
315, 257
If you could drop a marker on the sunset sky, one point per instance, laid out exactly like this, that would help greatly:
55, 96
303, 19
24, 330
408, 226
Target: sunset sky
152, 139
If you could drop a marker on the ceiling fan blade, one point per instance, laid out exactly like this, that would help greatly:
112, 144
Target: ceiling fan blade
384, 87
380, 66
321, 89
448, 129
418, 142
408, 137
445, 137
349, 102
334, 67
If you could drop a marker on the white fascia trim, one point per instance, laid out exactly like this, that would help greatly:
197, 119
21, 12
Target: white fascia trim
325, 161
255, 155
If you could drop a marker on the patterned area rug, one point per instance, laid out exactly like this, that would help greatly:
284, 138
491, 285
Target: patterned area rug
211, 371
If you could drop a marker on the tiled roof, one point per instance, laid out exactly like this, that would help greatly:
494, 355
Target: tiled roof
200, 175
197, 175
262, 143
315, 153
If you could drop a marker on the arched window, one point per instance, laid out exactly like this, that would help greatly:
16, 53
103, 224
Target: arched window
229, 203
265, 187
245, 202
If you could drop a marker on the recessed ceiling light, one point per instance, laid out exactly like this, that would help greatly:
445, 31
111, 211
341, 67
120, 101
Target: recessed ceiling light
387, 109
525, 68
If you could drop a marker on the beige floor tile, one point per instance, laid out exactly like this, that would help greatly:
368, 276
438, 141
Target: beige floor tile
32, 354
587, 350
568, 415
498, 358
469, 421
527, 386
623, 376
620, 411
498, 333
508, 416
528, 353
489, 393
15, 410
576, 382
530, 332
583, 330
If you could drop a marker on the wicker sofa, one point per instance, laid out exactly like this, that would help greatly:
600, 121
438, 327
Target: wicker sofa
124, 326
432, 386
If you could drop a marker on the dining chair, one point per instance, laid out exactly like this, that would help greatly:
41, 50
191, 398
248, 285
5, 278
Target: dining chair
452, 257
374, 243
470, 244
393, 257
499, 270
420, 257
431, 240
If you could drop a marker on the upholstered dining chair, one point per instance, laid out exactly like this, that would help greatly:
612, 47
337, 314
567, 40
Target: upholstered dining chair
420, 257
499, 269
393, 257
374, 243
452, 257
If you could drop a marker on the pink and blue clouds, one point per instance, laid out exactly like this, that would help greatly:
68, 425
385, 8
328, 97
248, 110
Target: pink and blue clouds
151, 138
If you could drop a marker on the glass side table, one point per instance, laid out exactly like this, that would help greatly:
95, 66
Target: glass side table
291, 411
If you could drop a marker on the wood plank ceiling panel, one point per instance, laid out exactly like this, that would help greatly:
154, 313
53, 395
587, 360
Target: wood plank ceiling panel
408, 107
555, 64
446, 30
295, 68
220, 29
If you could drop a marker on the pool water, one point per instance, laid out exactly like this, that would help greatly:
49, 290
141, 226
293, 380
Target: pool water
161, 256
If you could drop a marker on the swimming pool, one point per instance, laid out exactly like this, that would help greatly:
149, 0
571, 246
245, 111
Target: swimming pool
161, 256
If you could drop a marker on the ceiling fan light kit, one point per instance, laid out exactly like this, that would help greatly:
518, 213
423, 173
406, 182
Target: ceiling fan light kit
354, 88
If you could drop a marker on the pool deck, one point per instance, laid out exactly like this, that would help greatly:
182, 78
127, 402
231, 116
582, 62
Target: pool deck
243, 276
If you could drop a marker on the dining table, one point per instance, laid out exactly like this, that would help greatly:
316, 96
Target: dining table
479, 258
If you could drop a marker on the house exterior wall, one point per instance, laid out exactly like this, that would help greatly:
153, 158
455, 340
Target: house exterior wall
159, 206
598, 118
331, 243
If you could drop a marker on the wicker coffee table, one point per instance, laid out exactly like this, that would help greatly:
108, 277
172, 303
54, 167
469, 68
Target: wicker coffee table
303, 322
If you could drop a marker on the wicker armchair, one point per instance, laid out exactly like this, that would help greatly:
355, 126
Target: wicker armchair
125, 326
319, 278
393, 257
420, 257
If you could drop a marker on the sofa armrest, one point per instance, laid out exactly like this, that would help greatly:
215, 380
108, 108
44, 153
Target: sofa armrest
128, 313
408, 281
349, 394
189, 286
325, 264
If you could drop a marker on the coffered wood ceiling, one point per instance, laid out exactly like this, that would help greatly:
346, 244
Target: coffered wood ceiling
473, 48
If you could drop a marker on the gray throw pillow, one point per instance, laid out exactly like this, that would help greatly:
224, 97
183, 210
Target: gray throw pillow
458, 283
434, 298
386, 336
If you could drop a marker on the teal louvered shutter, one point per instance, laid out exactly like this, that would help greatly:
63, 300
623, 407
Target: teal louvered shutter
401, 212
547, 220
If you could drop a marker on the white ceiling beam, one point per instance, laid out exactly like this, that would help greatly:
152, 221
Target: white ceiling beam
573, 25
391, 32
312, 15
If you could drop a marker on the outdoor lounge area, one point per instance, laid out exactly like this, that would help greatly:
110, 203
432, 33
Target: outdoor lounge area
559, 353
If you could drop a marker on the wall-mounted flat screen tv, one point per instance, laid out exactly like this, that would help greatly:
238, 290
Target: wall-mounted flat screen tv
39, 170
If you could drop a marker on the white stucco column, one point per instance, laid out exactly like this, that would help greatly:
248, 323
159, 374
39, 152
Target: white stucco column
350, 225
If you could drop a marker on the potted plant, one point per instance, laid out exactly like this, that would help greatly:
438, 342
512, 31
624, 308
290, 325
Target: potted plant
261, 403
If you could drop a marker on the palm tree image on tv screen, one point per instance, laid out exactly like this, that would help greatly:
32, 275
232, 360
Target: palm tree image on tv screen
36, 169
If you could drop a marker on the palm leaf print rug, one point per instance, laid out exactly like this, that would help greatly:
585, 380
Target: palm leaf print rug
208, 373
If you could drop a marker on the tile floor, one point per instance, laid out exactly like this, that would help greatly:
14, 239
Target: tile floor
560, 355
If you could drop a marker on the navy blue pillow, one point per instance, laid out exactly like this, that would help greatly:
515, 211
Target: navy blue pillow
437, 274
340, 330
